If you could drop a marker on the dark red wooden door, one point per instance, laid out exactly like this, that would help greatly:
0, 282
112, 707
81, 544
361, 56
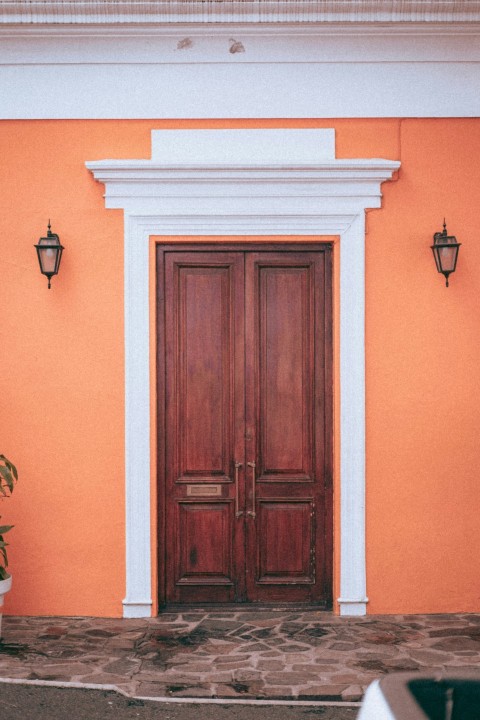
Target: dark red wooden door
246, 358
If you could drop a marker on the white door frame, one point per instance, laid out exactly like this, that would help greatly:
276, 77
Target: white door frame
244, 182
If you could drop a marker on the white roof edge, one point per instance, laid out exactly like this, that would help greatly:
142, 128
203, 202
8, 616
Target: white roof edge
108, 12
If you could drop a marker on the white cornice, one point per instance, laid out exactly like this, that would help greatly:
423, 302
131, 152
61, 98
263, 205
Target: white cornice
202, 70
145, 170
243, 162
188, 43
147, 11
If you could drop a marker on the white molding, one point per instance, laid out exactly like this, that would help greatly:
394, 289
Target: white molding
329, 197
279, 70
353, 597
137, 421
126, 11
185, 43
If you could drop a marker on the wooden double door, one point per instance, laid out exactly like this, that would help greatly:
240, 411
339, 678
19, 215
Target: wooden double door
245, 418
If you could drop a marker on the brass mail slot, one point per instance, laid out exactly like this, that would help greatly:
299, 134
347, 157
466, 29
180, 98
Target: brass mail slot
204, 490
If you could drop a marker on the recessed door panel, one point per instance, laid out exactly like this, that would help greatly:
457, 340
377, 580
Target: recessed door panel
285, 345
204, 552
202, 327
286, 532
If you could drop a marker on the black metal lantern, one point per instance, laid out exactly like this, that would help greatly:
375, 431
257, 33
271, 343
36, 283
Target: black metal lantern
445, 252
49, 253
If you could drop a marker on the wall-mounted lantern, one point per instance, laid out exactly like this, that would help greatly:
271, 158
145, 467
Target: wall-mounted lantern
445, 251
49, 253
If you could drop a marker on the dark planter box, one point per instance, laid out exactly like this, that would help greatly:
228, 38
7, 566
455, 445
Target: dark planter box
415, 696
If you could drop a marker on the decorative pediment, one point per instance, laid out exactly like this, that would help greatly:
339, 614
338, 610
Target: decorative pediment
271, 174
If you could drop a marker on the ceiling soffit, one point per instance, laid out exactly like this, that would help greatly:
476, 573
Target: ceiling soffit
244, 11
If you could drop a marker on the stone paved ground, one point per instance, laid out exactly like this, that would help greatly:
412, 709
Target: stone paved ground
237, 654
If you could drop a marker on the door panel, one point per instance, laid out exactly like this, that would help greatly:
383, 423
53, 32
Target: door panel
284, 380
287, 532
202, 325
204, 425
247, 424
284, 373
204, 556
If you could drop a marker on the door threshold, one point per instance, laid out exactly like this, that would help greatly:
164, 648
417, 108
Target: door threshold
245, 607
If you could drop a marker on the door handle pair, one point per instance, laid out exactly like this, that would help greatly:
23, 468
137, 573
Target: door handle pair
238, 512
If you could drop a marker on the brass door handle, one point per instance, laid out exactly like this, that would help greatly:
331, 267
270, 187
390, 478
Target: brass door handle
251, 513
238, 512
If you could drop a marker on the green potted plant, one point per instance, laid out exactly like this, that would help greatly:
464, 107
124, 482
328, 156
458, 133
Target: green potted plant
8, 478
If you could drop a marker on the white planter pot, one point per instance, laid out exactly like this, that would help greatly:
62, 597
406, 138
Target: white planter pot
5, 586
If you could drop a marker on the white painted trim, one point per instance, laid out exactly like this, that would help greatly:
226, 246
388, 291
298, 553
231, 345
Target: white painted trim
352, 419
137, 421
228, 199
287, 43
126, 11
193, 70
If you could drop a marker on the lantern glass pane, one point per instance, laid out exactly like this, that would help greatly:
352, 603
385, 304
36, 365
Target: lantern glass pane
49, 255
48, 259
437, 259
447, 258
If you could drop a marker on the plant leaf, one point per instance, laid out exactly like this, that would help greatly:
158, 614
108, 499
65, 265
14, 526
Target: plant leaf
11, 467
7, 476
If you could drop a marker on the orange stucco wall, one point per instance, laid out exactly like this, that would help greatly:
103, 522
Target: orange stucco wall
61, 365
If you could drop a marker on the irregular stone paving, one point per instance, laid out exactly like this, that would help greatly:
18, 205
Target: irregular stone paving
237, 654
